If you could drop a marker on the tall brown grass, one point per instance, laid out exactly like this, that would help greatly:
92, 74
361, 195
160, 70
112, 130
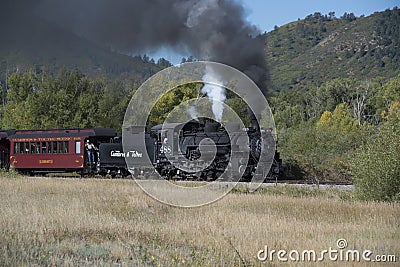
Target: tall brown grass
81, 222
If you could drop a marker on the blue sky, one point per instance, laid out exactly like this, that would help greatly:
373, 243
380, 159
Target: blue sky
266, 14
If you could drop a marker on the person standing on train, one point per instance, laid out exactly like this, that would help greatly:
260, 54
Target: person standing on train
90, 148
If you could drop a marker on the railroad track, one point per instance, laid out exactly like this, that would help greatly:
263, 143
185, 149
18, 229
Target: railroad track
296, 182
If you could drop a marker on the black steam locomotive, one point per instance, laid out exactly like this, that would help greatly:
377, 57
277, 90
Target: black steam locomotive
200, 150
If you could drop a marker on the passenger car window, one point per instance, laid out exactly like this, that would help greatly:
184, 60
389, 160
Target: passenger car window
66, 144
77, 147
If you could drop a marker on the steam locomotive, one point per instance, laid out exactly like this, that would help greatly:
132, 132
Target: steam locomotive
201, 150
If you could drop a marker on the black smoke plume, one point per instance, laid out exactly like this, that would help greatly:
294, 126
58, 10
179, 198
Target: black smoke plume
208, 29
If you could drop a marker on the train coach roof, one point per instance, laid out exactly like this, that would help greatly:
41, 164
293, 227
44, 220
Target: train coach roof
174, 125
63, 133
6, 133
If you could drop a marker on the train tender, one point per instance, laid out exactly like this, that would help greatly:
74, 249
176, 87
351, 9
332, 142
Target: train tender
44, 151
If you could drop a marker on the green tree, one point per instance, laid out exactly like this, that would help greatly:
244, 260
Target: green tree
19, 87
172, 99
112, 106
17, 113
394, 113
388, 93
87, 114
240, 108
17, 116
342, 120
326, 119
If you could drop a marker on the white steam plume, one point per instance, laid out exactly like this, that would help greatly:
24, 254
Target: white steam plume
193, 112
215, 93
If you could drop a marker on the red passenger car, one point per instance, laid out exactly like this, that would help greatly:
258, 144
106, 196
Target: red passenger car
43, 151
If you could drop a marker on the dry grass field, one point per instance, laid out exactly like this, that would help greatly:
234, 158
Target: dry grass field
86, 222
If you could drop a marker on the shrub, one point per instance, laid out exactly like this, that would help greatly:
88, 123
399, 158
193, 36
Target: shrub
375, 167
11, 173
320, 152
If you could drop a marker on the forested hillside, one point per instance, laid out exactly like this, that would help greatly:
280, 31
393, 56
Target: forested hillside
321, 47
46, 47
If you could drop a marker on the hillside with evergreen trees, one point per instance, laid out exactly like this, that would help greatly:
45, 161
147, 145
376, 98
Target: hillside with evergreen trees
321, 47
